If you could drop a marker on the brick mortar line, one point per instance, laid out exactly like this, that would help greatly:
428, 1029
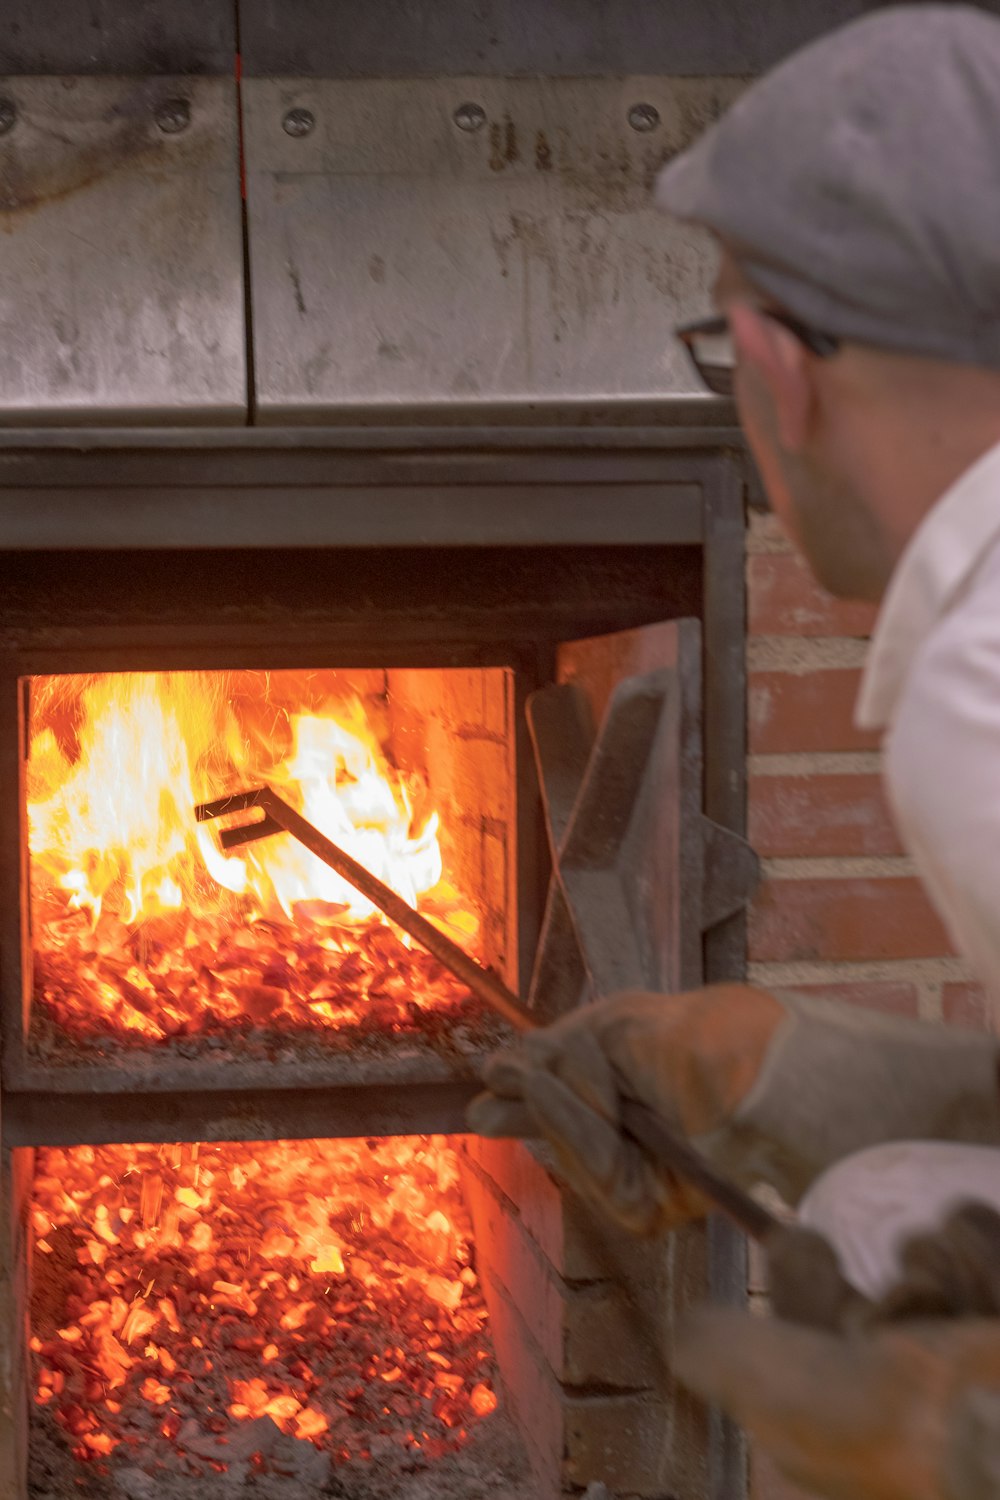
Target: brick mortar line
490, 1184
800, 655
764, 537
577, 1394
536, 1353
492, 1188
808, 763
930, 1001
838, 867
475, 733
927, 978
948, 969
495, 828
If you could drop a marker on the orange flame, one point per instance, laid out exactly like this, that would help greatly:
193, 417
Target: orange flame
145, 927
114, 823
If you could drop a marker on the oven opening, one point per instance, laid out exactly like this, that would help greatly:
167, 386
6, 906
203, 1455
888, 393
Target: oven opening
245, 1248
148, 933
281, 1312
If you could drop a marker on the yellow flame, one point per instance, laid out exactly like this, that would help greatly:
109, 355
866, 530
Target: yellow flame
117, 766
340, 775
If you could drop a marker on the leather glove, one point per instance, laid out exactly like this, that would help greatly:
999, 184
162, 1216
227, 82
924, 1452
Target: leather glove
953, 1272
898, 1405
904, 1411
772, 1087
903, 1403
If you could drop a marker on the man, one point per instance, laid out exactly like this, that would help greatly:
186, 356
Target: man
855, 195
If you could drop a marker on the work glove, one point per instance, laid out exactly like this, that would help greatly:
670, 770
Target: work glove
905, 1411
897, 1407
953, 1272
771, 1087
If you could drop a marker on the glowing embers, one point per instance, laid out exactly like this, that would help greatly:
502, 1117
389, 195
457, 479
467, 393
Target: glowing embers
276, 1307
145, 929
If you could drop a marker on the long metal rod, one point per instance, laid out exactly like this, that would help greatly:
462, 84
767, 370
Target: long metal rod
277, 812
640, 1122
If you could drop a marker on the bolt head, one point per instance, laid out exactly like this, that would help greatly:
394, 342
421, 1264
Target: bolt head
8, 115
173, 116
644, 117
298, 122
470, 116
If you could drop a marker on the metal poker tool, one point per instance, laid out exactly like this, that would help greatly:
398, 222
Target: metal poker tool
640, 1122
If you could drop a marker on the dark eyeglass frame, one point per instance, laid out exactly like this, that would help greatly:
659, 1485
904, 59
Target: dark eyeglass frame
719, 378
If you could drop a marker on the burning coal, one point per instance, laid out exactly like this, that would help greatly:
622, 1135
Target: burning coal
145, 929
271, 1308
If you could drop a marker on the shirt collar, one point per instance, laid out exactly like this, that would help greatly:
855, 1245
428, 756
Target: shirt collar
937, 562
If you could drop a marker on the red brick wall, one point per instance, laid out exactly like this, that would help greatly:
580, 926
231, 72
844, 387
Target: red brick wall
581, 1313
453, 727
840, 910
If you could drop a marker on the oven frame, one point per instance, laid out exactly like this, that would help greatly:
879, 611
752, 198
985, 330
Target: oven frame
427, 490
594, 482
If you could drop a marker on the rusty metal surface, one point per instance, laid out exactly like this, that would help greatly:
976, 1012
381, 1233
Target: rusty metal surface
562, 730
121, 298
148, 1072
479, 241
663, 858
627, 839
299, 1113
591, 857
640, 872
562, 733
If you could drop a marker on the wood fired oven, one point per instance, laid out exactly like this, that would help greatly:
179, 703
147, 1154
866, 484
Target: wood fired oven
345, 444
254, 594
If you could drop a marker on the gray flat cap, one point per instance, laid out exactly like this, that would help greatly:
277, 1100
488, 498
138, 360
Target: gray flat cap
858, 184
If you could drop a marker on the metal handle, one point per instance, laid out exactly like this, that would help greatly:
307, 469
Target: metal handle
640, 1122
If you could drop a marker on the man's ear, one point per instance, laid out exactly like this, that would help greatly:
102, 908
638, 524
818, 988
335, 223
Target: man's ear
782, 363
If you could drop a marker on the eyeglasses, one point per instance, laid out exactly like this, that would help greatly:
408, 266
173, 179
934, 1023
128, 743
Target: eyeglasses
710, 345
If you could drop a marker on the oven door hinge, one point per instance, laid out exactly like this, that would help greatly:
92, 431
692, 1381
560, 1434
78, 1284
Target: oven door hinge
730, 873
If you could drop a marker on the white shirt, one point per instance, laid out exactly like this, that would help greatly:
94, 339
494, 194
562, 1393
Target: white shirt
932, 682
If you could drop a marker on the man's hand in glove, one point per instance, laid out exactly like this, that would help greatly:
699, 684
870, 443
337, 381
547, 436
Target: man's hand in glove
904, 1412
691, 1057
771, 1087
896, 1408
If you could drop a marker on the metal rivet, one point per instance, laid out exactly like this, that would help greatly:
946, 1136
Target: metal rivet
298, 122
644, 117
470, 116
8, 115
173, 116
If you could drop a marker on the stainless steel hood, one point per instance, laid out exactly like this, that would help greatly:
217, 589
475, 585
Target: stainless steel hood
423, 245
121, 251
